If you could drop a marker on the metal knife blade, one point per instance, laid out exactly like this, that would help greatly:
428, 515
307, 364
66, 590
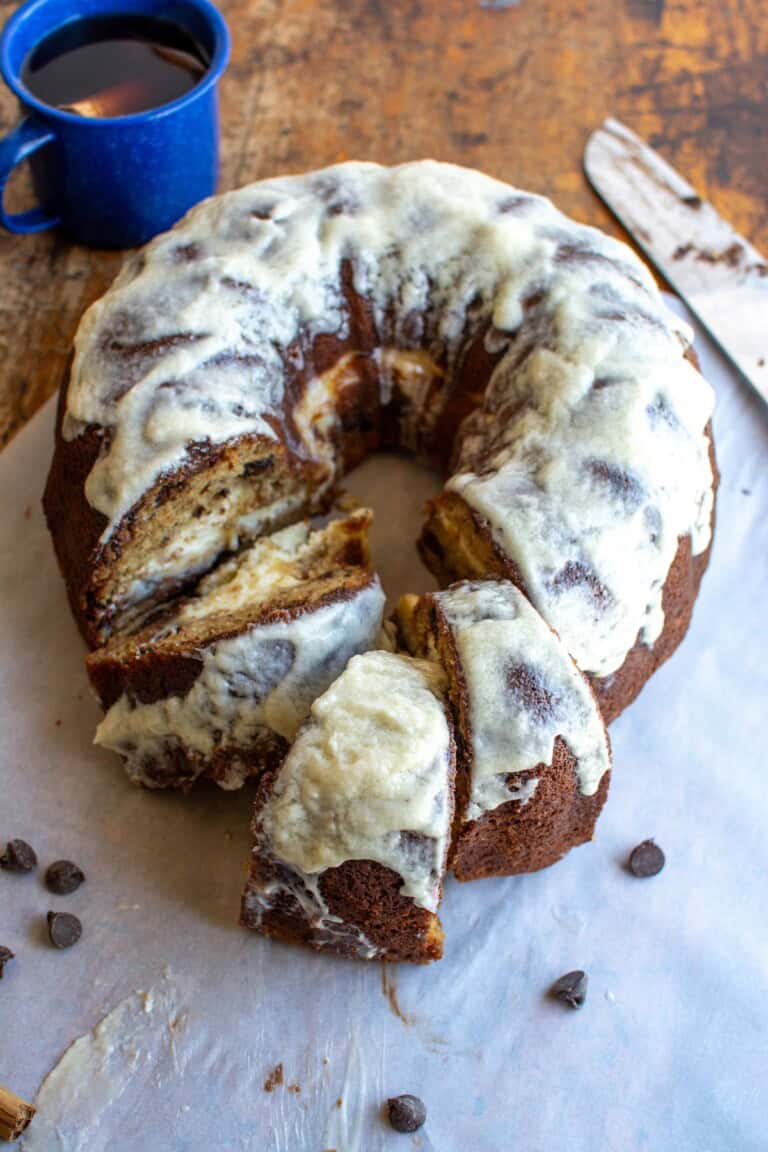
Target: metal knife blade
720, 275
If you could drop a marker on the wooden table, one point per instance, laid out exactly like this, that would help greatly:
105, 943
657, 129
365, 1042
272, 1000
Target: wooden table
510, 87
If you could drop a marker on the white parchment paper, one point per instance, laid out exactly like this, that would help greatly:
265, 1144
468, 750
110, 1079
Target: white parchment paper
670, 1051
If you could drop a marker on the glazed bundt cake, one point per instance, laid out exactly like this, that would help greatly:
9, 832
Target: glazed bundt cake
245, 360
533, 758
351, 832
239, 366
218, 685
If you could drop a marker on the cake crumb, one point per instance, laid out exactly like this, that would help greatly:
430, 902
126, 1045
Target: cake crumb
275, 1077
339, 1102
295, 1088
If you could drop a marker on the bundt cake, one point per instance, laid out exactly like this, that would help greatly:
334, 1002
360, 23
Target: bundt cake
245, 360
533, 758
351, 832
220, 682
239, 366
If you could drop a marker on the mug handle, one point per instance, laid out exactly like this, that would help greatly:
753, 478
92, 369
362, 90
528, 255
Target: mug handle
25, 139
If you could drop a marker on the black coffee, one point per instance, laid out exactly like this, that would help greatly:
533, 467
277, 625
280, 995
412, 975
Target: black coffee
114, 65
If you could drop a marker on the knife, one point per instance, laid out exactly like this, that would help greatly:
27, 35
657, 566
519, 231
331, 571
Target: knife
720, 275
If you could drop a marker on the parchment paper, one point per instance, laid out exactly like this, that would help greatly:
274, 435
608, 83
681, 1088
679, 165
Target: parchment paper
670, 1051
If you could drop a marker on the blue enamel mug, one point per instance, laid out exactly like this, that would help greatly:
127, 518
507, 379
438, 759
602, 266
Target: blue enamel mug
113, 182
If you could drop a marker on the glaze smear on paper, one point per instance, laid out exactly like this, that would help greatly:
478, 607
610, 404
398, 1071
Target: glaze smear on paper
135, 1042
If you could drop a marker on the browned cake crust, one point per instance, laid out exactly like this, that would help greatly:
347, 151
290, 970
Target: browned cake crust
372, 919
515, 837
457, 544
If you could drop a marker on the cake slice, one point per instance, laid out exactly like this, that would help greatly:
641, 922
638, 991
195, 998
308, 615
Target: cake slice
533, 752
351, 832
220, 683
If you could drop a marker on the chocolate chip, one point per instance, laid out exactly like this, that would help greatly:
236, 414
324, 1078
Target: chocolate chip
571, 989
18, 857
406, 1113
646, 860
63, 877
5, 956
64, 929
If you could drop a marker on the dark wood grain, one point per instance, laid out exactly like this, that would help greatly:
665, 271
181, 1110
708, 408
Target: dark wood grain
513, 88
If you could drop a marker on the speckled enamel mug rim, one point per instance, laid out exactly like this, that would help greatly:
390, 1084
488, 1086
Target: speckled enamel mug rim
12, 77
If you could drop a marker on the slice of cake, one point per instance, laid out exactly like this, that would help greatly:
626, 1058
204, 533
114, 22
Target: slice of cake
533, 753
351, 832
220, 684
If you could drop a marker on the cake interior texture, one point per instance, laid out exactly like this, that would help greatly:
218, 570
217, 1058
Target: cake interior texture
220, 682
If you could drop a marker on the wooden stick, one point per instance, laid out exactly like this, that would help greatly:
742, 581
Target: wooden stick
15, 1114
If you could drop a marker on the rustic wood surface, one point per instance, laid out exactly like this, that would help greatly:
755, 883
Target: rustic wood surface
510, 87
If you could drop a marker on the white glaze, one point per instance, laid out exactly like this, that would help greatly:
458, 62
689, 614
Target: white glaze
496, 631
265, 677
135, 1043
372, 763
426, 237
546, 507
